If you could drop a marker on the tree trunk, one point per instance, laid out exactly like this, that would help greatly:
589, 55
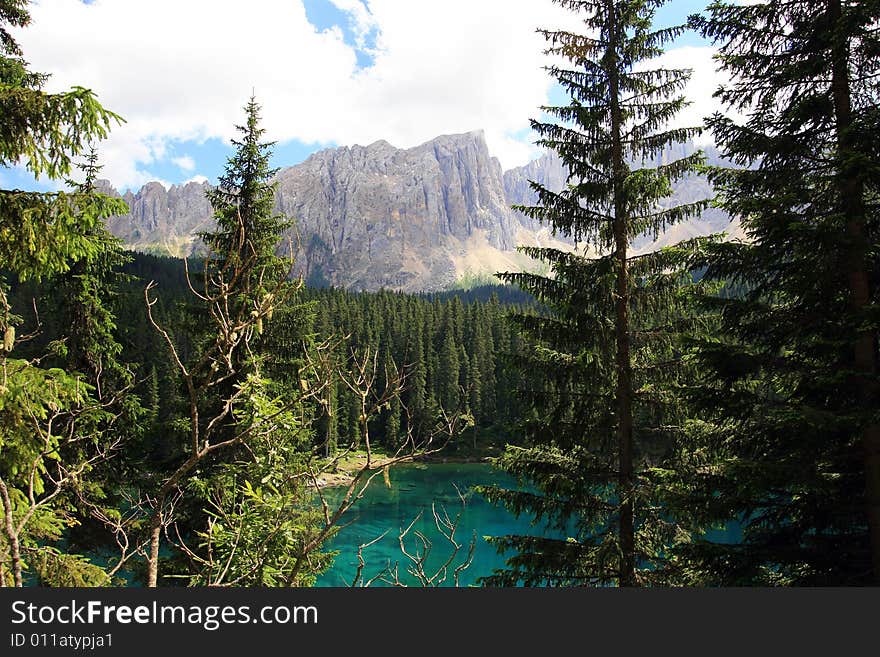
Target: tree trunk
627, 567
153, 560
11, 535
15, 550
852, 200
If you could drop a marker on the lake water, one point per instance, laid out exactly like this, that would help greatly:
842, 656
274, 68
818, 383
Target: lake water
413, 488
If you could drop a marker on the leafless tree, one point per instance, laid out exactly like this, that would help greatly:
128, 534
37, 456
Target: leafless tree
459, 556
52, 441
360, 376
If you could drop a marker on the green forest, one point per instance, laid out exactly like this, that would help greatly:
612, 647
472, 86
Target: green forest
168, 422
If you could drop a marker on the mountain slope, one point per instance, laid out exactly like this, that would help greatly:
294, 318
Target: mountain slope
376, 216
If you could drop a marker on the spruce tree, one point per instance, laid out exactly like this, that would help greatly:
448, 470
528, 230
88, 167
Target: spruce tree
606, 354
84, 293
50, 417
43, 233
448, 391
248, 231
791, 396
249, 439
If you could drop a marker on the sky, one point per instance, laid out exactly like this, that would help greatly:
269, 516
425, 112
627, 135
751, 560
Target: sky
327, 73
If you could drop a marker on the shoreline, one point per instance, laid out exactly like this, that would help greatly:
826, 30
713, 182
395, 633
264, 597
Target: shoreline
346, 470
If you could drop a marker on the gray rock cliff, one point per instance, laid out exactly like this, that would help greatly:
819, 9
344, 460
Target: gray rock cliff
370, 217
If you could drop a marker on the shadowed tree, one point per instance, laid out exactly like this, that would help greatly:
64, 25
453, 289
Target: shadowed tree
791, 395
605, 360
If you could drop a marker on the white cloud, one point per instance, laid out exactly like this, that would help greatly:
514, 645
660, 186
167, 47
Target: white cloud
184, 163
705, 80
181, 71
363, 21
197, 179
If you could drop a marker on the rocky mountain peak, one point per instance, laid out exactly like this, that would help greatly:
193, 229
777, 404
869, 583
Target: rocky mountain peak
378, 216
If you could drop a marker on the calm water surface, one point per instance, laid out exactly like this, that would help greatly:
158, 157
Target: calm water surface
413, 489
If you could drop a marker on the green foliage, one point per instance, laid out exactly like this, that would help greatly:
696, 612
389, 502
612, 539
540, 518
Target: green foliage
84, 294
51, 440
263, 516
52, 567
649, 408
407, 331
241, 472
247, 231
788, 403
44, 129
29, 397
43, 234
13, 13
603, 410
438, 341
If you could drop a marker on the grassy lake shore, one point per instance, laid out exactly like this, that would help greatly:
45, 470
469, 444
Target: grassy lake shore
348, 466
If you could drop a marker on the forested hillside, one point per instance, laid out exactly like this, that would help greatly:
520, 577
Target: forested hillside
702, 414
454, 347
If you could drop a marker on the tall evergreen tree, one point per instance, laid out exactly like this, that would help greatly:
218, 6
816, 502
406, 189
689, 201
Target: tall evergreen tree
791, 404
606, 354
248, 231
43, 233
448, 391
48, 417
84, 293
248, 438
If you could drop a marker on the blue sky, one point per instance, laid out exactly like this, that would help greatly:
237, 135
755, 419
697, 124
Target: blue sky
328, 73
324, 15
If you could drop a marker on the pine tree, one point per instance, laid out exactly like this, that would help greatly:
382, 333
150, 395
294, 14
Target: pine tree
84, 292
607, 354
242, 252
791, 399
249, 436
151, 399
448, 391
248, 231
393, 418
42, 233
46, 412
416, 395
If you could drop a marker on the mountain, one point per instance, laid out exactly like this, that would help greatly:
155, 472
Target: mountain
378, 216
548, 170
159, 219
369, 217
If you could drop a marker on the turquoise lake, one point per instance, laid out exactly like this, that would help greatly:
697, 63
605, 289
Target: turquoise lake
413, 488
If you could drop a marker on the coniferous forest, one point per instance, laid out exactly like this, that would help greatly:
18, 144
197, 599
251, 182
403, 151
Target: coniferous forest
169, 422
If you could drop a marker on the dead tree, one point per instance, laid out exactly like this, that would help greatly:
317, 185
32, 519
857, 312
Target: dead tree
459, 556
360, 375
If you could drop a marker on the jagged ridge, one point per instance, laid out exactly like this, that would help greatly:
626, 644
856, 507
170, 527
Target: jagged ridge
376, 216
